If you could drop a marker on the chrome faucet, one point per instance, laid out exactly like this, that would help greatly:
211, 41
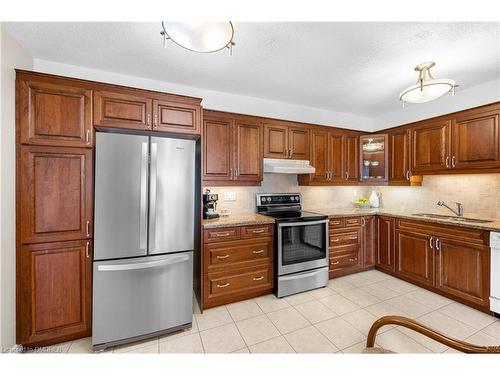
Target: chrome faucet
459, 211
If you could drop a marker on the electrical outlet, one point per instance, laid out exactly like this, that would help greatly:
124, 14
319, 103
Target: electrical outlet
229, 196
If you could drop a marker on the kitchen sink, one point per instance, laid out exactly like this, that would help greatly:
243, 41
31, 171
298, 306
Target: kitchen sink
453, 218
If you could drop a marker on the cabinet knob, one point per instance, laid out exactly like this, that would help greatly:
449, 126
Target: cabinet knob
87, 250
447, 162
408, 175
453, 164
222, 256
223, 285
258, 278
257, 251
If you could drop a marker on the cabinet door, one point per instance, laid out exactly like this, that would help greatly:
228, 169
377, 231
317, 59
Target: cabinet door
336, 156
414, 257
399, 166
217, 146
475, 141
368, 240
430, 147
117, 110
54, 292
319, 155
298, 143
385, 243
55, 193
275, 141
463, 270
352, 158
54, 114
247, 141
176, 117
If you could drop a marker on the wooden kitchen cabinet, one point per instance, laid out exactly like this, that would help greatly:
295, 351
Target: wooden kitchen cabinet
475, 140
352, 158
54, 292
282, 140
463, 270
53, 113
232, 150
123, 110
336, 156
369, 241
237, 263
55, 194
414, 255
430, 146
399, 157
173, 117
320, 152
385, 243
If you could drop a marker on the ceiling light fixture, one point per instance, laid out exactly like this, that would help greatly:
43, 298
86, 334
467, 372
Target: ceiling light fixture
204, 37
427, 87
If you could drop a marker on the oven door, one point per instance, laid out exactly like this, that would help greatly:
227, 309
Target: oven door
302, 246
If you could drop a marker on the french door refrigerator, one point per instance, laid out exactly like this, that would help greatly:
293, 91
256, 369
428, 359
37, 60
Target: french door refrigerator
144, 237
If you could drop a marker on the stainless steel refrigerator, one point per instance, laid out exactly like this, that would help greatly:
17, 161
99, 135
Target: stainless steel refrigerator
144, 237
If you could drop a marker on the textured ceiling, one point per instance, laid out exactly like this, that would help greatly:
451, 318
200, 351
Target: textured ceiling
346, 67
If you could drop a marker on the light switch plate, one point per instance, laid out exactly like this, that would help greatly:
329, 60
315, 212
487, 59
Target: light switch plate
229, 196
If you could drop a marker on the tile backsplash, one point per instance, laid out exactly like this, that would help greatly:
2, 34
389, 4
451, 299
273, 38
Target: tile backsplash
480, 194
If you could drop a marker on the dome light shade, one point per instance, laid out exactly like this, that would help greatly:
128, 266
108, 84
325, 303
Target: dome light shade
204, 37
427, 87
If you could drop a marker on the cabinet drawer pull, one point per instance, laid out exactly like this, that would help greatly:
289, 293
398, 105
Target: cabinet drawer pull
335, 222
257, 251
335, 263
223, 285
408, 175
148, 120
223, 234
258, 278
87, 250
447, 162
87, 229
352, 221
336, 239
453, 164
87, 136
353, 259
431, 240
258, 231
222, 256
352, 237
155, 121
438, 244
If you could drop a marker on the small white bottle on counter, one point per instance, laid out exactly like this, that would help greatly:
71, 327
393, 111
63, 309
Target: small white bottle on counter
374, 199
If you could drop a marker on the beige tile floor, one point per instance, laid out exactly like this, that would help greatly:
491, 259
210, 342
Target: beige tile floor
335, 319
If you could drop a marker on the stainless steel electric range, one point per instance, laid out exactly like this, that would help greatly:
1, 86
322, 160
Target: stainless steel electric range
301, 243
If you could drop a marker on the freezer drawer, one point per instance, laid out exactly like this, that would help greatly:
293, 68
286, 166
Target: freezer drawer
141, 296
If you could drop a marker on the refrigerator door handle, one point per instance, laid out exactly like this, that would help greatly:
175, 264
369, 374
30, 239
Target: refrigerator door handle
152, 196
143, 235
143, 265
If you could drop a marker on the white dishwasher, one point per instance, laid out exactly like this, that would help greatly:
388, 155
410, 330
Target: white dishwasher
495, 273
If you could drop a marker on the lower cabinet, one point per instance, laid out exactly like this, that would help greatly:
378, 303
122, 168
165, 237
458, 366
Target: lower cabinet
385, 243
237, 263
415, 257
463, 270
55, 303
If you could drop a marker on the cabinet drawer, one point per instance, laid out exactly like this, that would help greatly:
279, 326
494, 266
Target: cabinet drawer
353, 222
256, 231
343, 261
336, 222
221, 234
239, 281
237, 253
342, 239
344, 250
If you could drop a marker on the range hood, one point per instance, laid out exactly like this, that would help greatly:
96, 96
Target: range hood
288, 166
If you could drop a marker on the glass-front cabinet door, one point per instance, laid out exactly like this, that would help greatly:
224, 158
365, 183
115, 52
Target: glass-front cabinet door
374, 157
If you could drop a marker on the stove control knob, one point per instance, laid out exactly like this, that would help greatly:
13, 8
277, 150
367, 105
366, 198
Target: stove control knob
268, 199
297, 198
292, 198
263, 199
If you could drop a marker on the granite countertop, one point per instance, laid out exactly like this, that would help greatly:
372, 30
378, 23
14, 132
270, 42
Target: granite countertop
236, 220
493, 225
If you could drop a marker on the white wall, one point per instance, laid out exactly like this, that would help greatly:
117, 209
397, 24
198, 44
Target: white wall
474, 96
214, 99
12, 56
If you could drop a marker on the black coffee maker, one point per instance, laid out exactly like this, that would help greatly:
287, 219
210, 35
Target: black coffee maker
209, 205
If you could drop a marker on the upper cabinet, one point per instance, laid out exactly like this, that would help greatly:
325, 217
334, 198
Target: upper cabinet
141, 110
53, 112
374, 158
352, 158
232, 150
399, 157
430, 146
475, 140
285, 141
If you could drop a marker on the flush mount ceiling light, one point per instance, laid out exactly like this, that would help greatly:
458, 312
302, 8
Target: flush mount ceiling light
427, 87
204, 37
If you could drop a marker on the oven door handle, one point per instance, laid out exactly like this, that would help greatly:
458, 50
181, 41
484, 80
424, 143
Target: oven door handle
300, 275
302, 223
